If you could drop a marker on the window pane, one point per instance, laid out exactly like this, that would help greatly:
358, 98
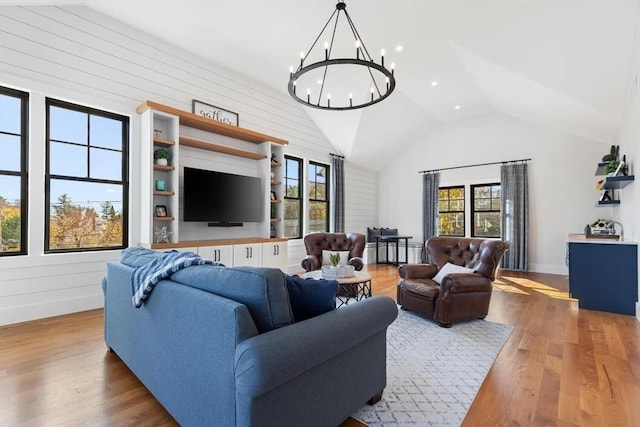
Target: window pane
482, 192
10, 214
67, 159
85, 215
106, 133
318, 216
292, 218
456, 193
486, 224
482, 204
105, 164
10, 117
443, 195
292, 189
451, 224
292, 168
10, 149
67, 125
456, 205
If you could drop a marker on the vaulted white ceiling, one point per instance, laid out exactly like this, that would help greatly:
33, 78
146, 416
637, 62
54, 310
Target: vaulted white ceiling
564, 64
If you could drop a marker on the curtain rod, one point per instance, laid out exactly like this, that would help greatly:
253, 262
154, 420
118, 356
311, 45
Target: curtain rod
473, 166
336, 155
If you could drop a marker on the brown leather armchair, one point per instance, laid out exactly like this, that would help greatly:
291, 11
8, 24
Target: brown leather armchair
460, 296
315, 243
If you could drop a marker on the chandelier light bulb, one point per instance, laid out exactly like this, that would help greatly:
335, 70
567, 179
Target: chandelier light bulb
382, 57
393, 67
357, 49
301, 59
326, 50
291, 71
308, 95
350, 99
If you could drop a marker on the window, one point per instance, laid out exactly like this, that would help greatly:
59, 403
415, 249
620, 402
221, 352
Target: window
486, 210
318, 197
86, 178
292, 197
451, 211
13, 171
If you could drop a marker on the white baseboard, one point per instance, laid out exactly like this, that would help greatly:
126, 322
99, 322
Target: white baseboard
27, 312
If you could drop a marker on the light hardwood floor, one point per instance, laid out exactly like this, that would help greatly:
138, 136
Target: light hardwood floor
560, 367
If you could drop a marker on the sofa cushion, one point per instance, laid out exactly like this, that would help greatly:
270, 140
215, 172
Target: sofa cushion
262, 290
344, 257
311, 297
424, 287
136, 256
388, 231
450, 268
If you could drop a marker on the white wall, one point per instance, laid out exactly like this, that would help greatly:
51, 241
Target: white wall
561, 178
629, 140
81, 56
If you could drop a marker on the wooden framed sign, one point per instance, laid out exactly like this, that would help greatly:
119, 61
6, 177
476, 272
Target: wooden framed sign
214, 113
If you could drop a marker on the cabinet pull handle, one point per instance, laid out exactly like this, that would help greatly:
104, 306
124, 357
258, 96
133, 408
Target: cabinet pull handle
251, 252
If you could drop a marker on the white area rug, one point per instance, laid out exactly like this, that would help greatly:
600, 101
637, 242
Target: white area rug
433, 373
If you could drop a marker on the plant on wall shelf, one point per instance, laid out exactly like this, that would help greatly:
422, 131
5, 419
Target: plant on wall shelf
162, 156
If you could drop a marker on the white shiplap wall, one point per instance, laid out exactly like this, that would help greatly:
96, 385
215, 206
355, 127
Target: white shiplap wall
78, 55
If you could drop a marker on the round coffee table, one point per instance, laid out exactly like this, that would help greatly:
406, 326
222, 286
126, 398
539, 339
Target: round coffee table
351, 288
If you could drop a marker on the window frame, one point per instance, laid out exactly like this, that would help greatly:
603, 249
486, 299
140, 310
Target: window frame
24, 168
473, 208
327, 184
299, 199
463, 211
124, 181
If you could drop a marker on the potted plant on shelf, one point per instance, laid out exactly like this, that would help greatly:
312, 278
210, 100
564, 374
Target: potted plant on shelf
162, 156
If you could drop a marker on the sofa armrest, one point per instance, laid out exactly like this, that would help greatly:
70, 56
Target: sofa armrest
356, 262
310, 263
268, 360
418, 271
456, 283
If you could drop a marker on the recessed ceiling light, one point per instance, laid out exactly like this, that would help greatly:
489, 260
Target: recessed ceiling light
457, 107
434, 83
399, 48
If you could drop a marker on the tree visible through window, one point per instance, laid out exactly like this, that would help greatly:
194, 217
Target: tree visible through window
13, 171
318, 197
292, 197
451, 211
86, 178
486, 210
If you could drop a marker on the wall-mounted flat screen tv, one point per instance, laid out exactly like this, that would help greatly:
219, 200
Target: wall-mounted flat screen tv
221, 198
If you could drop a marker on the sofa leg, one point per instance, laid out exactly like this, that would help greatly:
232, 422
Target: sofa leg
402, 307
444, 325
375, 399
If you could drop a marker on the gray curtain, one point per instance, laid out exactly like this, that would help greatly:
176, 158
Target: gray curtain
515, 215
430, 184
337, 184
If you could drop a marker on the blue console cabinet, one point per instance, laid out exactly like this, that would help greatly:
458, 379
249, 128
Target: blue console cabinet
604, 276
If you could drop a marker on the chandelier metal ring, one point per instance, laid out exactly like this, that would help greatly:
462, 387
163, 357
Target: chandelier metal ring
341, 61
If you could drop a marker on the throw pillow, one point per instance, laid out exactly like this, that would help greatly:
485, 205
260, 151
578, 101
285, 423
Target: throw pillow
311, 297
450, 268
389, 231
372, 234
344, 257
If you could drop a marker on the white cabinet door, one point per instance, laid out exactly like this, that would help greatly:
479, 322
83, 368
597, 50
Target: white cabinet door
275, 255
221, 254
247, 255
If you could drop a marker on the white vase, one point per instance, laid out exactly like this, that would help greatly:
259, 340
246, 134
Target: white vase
162, 162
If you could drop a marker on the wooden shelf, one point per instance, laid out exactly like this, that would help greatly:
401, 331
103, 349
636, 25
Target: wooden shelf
275, 164
204, 145
163, 142
163, 218
208, 125
616, 182
163, 193
275, 220
276, 201
275, 182
163, 168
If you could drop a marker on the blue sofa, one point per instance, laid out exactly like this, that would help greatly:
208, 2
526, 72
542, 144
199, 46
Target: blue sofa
218, 346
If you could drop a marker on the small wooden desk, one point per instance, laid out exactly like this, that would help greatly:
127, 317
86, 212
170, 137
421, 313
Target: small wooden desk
397, 239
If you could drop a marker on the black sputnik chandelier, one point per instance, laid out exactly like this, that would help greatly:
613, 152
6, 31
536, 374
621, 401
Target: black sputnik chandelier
344, 76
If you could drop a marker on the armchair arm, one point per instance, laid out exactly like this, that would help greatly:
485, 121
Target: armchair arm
356, 262
311, 262
418, 271
266, 361
456, 283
